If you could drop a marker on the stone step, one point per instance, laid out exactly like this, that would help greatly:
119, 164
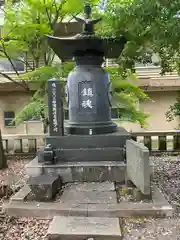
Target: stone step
117, 139
90, 154
80, 228
81, 171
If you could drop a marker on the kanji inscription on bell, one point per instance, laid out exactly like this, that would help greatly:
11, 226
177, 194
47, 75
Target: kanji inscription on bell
86, 97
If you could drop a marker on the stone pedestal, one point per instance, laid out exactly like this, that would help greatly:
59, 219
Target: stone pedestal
89, 148
91, 158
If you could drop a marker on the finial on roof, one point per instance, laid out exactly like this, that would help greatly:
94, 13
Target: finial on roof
87, 10
88, 23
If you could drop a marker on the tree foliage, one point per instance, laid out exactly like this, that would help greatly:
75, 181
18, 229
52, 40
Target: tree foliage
150, 27
127, 96
174, 111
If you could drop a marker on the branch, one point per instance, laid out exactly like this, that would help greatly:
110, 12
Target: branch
12, 80
7, 35
35, 58
54, 4
52, 57
61, 5
26, 63
57, 13
45, 59
48, 15
74, 16
47, 56
9, 59
15, 70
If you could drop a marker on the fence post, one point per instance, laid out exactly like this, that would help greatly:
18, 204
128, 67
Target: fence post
18, 148
162, 144
32, 146
147, 142
176, 142
5, 145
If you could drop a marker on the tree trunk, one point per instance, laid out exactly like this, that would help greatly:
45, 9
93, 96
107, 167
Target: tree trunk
3, 159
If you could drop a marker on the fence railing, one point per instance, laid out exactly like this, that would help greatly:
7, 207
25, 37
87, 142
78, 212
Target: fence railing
22, 144
168, 141
164, 141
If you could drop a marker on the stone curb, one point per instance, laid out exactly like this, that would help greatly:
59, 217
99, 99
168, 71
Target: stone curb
159, 207
49, 210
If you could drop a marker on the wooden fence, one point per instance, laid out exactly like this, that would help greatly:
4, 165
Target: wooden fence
155, 141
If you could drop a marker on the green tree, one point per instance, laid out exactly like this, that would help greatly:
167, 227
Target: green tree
150, 27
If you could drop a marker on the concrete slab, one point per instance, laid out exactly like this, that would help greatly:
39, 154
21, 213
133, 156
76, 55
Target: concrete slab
91, 186
70, 196
80, 228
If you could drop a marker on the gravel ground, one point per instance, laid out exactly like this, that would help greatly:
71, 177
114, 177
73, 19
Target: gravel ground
16, 168
20, 228
167, 172
167, 178
159, 229
24, 229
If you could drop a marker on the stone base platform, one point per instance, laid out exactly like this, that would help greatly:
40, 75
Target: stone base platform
80, 171
88, 200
